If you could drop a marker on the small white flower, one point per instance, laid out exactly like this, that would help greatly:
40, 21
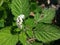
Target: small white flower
48, 1
22, 16
20, 26
20, 20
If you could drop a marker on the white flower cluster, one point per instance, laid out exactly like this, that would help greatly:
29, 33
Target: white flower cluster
19, 21
48, 1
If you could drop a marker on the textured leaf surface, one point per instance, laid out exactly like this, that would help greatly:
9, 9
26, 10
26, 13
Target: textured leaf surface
47, 33
29, 33
29, 23
20, 7
47, 15
37, 17
23, 38
37, 43
38, 12
6, 38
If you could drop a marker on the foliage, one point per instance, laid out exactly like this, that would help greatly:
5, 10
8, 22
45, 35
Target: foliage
38, 29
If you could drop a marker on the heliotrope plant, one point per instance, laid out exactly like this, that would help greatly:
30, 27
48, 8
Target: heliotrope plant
26, 29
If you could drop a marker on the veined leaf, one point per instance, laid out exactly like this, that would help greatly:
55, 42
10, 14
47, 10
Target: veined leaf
46, 32
38, 12
20, 7
37, 16
37, 43
47, 15
6, 38
30, 33
6, 30
23, 38
29, 23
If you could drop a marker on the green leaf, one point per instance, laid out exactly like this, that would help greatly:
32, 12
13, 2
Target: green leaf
20, 7
38, 12
6, 29
6, 38
47, 15
30, 33
33, 6
37, 43
6, 0
29, 23
38, 9
23, 38
1, 2
1, 8
37, 16
1, 23
3, 13
46, 32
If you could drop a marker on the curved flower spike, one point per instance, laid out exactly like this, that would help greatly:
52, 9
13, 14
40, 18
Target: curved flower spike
20, 20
